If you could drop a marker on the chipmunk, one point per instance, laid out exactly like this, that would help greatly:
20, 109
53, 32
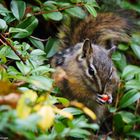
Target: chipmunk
84, 68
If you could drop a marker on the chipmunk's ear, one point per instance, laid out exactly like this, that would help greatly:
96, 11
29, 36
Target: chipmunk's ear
87, 48
112, 47
111, 50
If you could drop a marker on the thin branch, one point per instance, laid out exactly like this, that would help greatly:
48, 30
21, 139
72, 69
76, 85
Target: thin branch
109, 133
12, 47
2, 42
136, 112
19, 83
59, 9
39, 39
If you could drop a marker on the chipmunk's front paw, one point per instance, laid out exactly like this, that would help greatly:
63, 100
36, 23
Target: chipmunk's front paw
104, 98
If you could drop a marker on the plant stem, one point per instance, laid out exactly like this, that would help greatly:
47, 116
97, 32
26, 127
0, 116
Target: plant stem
59, 9
6, 42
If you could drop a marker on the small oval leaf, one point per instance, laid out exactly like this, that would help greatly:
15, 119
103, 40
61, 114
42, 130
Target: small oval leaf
51, 47
76, 12
38, 44
3, 25
57, 16
18, 8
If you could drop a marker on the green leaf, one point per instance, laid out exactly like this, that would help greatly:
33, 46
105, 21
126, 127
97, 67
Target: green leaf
135, 133
92, 3
129, 71
76, 1
37, 52
18, 8
76, 12
127, 5
73, 110
136, 50
57, 16
29, 123
38, 44
23, 68
29, 24
112, 109
127, 117
3, 59
37, 57
91, 10
79, 133
59, 127
3, 25
51, 3
49, 6
41, 82
13, 71
9, 18
8, 52
64, 101
119, 60
135, 38
123, 47
129, 98
135, 84
43, 69
52, 47
17, 30
3, 10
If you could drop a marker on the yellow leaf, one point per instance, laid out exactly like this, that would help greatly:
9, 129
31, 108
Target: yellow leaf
6, 87
90, 113
86, 110
37, 107
47, 117
23, 108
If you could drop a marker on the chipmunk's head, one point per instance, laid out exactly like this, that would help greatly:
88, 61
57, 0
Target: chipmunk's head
99, 70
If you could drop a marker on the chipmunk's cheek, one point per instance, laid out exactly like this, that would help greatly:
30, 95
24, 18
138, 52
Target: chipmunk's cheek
59, 75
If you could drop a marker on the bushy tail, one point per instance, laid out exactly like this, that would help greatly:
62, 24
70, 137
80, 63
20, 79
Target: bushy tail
105, 27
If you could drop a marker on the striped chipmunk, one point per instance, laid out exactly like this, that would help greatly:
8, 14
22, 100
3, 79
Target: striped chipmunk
84, 68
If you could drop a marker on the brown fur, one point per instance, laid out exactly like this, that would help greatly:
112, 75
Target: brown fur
71, 72
104, 27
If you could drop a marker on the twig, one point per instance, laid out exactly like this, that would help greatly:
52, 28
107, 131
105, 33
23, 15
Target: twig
137, 106
3, 42
12, 47
39, 39
59, 9
19, 83
136, 111
109, 133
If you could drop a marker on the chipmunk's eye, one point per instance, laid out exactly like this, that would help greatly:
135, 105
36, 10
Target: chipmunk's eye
91, 70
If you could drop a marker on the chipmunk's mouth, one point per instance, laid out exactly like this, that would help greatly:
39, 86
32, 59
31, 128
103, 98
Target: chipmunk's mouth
104, 98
